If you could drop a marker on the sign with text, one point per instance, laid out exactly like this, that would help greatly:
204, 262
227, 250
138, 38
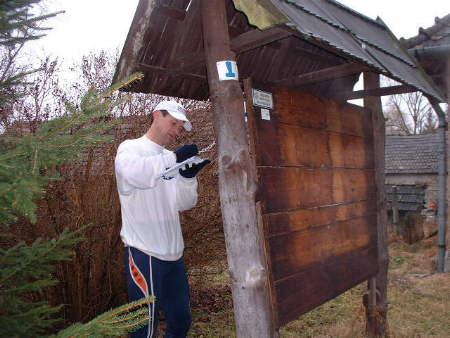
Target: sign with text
262, 99
265, 114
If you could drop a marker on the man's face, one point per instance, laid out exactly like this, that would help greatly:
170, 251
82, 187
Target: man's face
168, 127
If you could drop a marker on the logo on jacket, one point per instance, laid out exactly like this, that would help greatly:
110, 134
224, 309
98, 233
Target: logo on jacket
166, 177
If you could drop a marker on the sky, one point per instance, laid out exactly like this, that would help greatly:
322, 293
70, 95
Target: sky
92, 25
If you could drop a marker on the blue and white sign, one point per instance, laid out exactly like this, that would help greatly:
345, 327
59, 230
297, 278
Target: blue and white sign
227, 70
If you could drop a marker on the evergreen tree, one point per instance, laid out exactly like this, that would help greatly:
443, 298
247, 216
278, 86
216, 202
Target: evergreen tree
26, 166
17, 26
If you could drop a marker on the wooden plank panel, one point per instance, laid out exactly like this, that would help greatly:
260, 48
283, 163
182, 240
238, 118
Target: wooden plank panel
322, 282
352, 185
299, 220
348, 151
289, 145
300, 109
293, 252
304, 146
316, 186
346, 119
293, 188
310, 133
308, 111
267, 141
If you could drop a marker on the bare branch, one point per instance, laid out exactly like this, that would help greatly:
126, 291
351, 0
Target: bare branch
410, 114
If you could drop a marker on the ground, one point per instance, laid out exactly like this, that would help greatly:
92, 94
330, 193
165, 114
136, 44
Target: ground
419, 300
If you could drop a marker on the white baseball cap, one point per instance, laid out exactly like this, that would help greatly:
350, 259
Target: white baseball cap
176, 110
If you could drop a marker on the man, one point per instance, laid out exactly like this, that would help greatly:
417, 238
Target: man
150, 206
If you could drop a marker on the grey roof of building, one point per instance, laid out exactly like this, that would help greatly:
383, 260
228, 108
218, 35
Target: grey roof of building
412, 154
434, 36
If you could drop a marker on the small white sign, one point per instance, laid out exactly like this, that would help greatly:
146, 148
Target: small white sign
265, 114
227, 70
262, 99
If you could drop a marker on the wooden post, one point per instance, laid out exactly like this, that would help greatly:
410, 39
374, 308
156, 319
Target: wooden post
377, 315
395, 207
442, 194
442, 184
237, 185
447, 84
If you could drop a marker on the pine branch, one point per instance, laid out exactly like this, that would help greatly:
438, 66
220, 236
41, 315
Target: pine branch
52, 251
116, 322
57, 141
17, 24
27, 269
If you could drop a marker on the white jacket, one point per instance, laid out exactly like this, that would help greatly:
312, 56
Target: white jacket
150, 204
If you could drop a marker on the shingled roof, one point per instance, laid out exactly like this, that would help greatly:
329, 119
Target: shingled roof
431, 47
165, 42
412, 154
433, 36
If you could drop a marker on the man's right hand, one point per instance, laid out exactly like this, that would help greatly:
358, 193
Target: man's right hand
185, 152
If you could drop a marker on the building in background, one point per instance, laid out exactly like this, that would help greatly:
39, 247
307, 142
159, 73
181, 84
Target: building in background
412, 161
411, 179
431, 47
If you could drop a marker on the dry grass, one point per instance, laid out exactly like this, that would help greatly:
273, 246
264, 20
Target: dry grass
419, 301
420, 298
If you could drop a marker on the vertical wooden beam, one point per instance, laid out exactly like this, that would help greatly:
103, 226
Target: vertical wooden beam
395, 206
447, 85
442, 194
237, 185
377, 314
253, 135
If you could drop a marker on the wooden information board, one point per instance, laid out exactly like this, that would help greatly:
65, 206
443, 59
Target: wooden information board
315, 167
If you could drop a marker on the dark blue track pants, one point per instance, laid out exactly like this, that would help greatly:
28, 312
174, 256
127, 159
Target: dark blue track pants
167, 282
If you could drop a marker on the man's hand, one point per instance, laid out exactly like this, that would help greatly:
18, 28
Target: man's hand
185, 152
192, 171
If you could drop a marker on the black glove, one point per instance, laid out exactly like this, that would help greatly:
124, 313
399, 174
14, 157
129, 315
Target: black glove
185, 152
190, 172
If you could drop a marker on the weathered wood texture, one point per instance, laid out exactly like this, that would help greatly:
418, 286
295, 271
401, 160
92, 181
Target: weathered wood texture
252, 137
243, 239
377, 313
330, 73
315, 165
375, 92
447, 84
